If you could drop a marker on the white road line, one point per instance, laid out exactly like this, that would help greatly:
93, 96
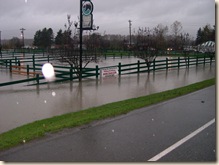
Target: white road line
177, 144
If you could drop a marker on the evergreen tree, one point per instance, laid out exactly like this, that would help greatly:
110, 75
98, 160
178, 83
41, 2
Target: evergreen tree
207, 33
59, 38
44, 38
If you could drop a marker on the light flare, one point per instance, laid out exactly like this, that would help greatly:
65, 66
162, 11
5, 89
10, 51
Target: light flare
48, 72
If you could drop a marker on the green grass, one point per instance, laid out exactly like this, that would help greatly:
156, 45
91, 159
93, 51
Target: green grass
38, 129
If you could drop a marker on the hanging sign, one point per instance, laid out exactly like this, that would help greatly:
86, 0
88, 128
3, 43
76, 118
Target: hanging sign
87, 22
87, 16
87, 8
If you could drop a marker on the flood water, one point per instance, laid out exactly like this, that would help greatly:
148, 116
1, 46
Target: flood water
21, 104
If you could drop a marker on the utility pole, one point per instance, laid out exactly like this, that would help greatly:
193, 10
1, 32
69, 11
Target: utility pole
130, 32
0, 38
22, 35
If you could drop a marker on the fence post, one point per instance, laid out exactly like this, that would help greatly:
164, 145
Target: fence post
138, 66
97, 71
37, 79
153, 66
71, 72
48, 58
10, 65
119, 68
28, 70
188, 61
6, 62
204, 60
166, 63
210, 60
196, 60
33, 59
178, 62
15, 61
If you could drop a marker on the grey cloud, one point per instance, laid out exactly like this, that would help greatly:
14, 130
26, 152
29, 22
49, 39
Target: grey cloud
111, 15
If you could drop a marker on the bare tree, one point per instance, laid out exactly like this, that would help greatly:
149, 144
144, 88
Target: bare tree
71, 53
150, 42
176, 29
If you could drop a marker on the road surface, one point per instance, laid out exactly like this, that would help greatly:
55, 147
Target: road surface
181, 129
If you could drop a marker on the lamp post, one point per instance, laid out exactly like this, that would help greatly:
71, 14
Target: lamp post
80, 38
130, 32
86, 9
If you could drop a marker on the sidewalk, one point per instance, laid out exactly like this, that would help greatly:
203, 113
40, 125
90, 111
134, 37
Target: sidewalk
134, 137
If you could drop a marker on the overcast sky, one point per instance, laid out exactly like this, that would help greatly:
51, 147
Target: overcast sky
111, 15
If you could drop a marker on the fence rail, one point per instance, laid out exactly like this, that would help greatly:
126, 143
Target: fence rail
141, 67
64, 73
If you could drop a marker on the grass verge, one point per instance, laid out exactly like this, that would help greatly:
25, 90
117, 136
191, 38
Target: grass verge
39, 128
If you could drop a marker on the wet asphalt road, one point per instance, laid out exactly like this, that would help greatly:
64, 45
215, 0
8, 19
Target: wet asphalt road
135, 137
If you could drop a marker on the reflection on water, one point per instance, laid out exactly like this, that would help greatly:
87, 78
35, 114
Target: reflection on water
21, 105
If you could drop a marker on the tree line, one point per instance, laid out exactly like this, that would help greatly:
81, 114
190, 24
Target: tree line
160, 37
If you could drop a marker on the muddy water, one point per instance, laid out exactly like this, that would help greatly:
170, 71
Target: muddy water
21, 104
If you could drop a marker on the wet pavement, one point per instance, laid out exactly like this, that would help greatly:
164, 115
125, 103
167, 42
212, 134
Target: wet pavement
21, 104
138, 136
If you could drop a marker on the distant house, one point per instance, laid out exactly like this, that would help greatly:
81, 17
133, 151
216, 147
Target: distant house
207, 47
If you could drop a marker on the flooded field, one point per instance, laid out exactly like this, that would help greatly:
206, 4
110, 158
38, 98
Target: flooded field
21, 104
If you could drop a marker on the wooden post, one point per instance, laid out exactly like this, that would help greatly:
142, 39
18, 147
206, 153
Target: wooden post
119, 68
10, 65
138, 66
33, 59
15, 60
178, 62
166, 63
211, 60
6, 63
28, 70
37, 79
154, 63
71, 73
97, 71
188, 61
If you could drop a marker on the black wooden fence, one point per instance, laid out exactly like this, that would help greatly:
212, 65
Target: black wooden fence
63, 73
